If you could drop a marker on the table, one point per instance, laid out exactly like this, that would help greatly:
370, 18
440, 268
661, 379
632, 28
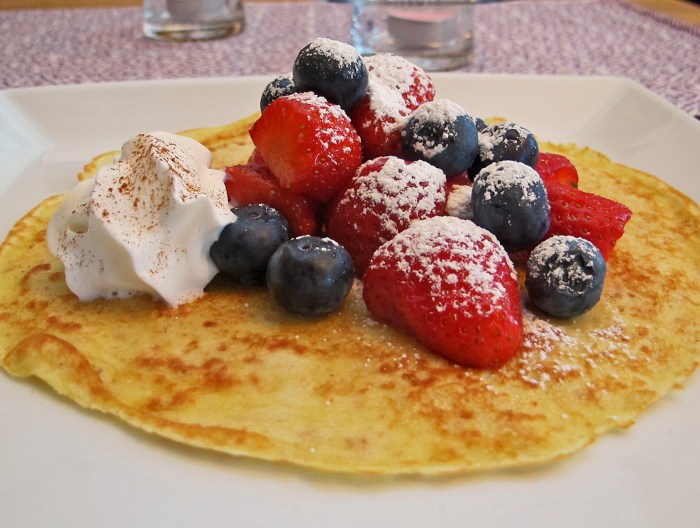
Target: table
679, 9
582, 37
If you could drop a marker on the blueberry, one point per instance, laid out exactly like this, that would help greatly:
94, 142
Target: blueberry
510, 200
443, 134
277, 87
480, 124
565, 276
310, 275
507, 141
245, 246
332, 69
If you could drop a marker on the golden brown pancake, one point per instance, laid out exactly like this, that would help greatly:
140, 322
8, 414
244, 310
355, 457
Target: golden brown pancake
234, 372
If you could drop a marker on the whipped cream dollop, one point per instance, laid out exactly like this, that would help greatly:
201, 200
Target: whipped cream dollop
144, 224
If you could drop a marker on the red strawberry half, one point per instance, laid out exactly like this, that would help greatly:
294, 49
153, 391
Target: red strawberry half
451, 285
555, 168
581, 214
385, 196
309, 144
254, 184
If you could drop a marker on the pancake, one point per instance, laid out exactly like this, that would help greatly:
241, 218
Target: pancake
235, 373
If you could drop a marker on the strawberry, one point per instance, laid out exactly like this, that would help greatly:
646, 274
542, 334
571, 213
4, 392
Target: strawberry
458, 180
396, 88
555, 168
256, 160
451, 285
379, 124
410, 81
581, 214
309, 145
253, 183
385, 196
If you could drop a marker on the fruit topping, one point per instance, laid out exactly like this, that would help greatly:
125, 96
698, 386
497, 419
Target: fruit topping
443, 134
385, 196
276, 88
245, 246
581, 214
310, 275
309, 144
332, 69
510, 200
459, 200
379, 125
253, 183
402, 77
392, 181
256, 160
451, 284
565, 276
507, 141
555, 168
396, 88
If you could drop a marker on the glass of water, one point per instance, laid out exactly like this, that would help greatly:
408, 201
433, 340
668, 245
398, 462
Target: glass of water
434, 34
181, 20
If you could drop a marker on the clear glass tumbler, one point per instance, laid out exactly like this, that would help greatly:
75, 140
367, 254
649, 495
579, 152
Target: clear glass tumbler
181, 20
434, 34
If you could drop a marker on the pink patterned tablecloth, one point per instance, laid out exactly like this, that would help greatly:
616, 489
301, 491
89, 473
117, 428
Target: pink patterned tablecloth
49, 47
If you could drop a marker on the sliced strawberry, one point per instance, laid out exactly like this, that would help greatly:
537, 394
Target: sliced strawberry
309, 145
451, 285
256, 160
595, 218
254, 184
385, 196
555, 168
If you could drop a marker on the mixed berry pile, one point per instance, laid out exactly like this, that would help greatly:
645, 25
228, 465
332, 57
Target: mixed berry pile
359, 171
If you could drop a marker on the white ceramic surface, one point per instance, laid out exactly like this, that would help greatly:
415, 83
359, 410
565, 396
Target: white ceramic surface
64, 466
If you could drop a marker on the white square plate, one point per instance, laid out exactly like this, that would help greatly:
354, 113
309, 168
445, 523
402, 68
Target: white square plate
63, 466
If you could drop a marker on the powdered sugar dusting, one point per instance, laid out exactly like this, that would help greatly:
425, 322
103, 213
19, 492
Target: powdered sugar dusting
344, 53
492, 136
397, 74
276, 88
326, 111
390, 79
552, 353
439, 110
386, 105
495, 178
320, 102
548, 352
398, 191
569, 274
442, 111
459, 261
459, 202
617, 342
